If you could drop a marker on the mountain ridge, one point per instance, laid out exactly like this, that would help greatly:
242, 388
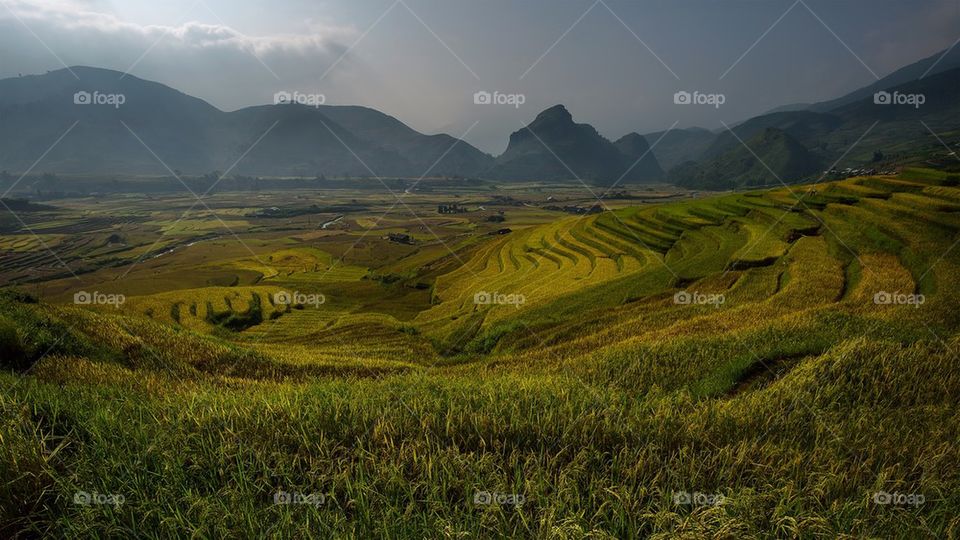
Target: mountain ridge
187, 133
158, 129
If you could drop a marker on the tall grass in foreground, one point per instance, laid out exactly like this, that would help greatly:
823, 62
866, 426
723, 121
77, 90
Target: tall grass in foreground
404, 457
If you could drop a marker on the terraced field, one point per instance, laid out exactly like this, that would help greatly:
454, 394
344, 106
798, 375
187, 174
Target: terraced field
789, 352
738, 245
860, 249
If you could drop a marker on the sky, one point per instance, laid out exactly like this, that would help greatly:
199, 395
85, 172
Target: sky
615, 64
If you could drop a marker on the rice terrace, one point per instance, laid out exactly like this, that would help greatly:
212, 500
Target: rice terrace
310, 320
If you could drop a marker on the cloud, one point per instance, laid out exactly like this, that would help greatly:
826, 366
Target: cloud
77, 32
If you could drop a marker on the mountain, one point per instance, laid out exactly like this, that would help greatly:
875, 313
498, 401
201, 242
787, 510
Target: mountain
36, 110
830, 128
789, 108
856, 132
802, 125
550, 144
742, 167
940, 62
879, 127
191, 135
643, 164
439, 154
302, 141
679, 145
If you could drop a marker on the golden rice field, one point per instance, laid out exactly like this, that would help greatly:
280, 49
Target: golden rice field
764, 364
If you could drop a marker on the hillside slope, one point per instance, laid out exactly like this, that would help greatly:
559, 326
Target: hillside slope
768, 158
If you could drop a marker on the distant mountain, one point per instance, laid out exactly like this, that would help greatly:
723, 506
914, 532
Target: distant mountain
302, 142
679, 145
156, 127
786, 158
440, 154
940, 62
802, 125
550, 144
36, 110
856, 131
790, 107
191, 135
642, 162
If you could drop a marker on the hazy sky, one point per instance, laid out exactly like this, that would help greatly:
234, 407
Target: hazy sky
616, 64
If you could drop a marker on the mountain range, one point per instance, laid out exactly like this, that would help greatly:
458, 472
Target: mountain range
157, 130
